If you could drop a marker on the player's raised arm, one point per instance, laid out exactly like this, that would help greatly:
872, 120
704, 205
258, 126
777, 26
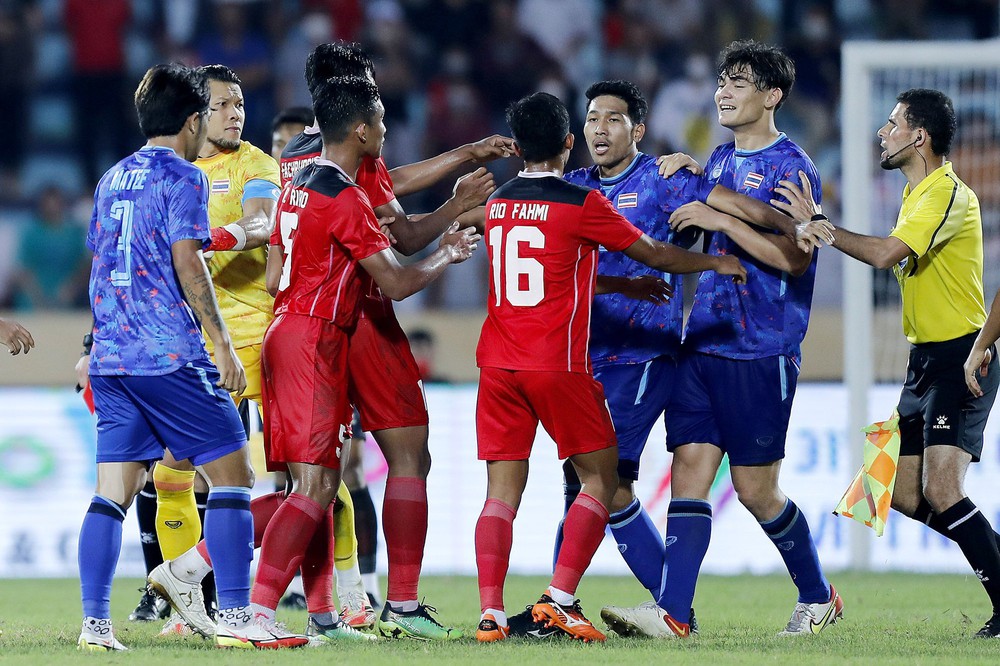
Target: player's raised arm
397, 282
672, 259
250, 231
421, 175
192, 273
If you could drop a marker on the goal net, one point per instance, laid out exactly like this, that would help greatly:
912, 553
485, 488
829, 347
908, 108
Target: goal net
873, 74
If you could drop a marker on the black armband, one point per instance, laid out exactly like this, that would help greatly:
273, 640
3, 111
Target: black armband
88, 344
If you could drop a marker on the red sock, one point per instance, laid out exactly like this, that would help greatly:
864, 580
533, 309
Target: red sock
263, 509
404, 523
285, 540
583, 531
317, 567
494, 536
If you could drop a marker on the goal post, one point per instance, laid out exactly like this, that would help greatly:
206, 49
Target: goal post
872, 74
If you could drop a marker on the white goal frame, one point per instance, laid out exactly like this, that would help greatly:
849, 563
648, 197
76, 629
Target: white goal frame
859, 61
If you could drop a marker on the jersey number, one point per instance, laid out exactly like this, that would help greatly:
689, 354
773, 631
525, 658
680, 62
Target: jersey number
121, 275
505, 252
288, 223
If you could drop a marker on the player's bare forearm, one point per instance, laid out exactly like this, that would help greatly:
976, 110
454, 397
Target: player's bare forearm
475, 218
421, 175
257, 221
991, 329
746, 208
650, 288
775, 250
272, 273
195, 281
419, 231
397, 282
668, 258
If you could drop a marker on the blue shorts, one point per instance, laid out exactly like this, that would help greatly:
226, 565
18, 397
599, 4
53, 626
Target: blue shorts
637, 393
184, 411
742, 407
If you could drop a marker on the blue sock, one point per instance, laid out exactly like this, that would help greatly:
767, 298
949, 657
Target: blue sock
689, 530
571, 488
789, 532
229, 538
97, 555
640, 544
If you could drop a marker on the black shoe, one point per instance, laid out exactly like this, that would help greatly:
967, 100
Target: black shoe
150, 609
523, 625
693, 623
991, 629
295, 601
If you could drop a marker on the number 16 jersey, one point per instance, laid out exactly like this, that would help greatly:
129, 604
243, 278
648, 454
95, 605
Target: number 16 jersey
543, 235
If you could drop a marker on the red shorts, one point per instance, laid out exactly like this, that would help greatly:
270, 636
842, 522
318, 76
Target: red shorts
570, 405
307, 416
384, 382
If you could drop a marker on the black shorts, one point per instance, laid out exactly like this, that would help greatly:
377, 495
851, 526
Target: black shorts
936, 407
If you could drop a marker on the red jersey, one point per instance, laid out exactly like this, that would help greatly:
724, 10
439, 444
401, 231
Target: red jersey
325, 225
373, 177
543, 235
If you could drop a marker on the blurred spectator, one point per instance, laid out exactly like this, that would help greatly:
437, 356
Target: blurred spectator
286, 125
18, 26
54, 263
682, 117
346, 16
313, 29
570, 32
448, 23
246, 51
100, 95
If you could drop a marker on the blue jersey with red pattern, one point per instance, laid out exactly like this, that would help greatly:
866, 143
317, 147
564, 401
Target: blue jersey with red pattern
624, 330
769, 314
143, 205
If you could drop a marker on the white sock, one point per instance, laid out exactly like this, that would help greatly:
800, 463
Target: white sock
237, 618
349, 580
498, 615
190, 566
372, 586
263, 611
560, 597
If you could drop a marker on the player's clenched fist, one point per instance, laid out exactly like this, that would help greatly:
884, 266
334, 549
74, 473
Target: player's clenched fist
460, 243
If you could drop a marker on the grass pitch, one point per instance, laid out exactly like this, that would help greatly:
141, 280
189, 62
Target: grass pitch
889, 619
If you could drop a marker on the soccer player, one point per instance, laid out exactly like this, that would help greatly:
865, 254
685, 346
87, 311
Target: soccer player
244, 188
543, 235
287, 125
385, 383
737, 377
149, 370
936, 252
15, 337
326, 233
635, 342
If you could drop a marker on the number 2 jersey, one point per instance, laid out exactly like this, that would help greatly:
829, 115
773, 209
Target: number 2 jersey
543, 236
325, 225
143, 205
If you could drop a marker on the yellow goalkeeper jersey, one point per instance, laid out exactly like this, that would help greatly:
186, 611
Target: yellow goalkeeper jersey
239, 279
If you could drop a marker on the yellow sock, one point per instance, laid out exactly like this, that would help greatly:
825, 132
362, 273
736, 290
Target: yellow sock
345, 545
177, 525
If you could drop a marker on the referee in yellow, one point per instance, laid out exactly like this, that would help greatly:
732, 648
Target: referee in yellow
936, 252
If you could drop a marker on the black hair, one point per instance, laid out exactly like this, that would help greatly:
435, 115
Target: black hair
220, 73
768, 66
167, 96
539, 123
627, 92
343, 101
933, 111
340, 59
298, 115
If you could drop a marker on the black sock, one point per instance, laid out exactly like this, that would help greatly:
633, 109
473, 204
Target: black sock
145, 511
208, 582
925, 514
366, 529
968, 527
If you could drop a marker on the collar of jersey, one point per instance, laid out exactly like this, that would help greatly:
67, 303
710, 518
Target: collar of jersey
929, 180
614, 180
325, 162
312, 129
537, 174
149, 149
747, 153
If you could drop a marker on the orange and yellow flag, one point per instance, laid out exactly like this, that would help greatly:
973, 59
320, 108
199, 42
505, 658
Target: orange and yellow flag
869, 496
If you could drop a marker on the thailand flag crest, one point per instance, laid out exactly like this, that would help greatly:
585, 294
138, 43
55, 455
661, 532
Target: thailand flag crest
628, 200
220, 186
754, 180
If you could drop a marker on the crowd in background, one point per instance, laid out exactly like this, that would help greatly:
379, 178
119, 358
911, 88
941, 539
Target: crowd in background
446, 69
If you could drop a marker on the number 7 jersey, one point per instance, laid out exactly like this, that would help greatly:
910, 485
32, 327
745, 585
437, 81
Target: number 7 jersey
543, 236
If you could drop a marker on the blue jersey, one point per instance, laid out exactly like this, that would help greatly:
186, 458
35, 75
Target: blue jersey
769, 314
624, 330
143, 205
